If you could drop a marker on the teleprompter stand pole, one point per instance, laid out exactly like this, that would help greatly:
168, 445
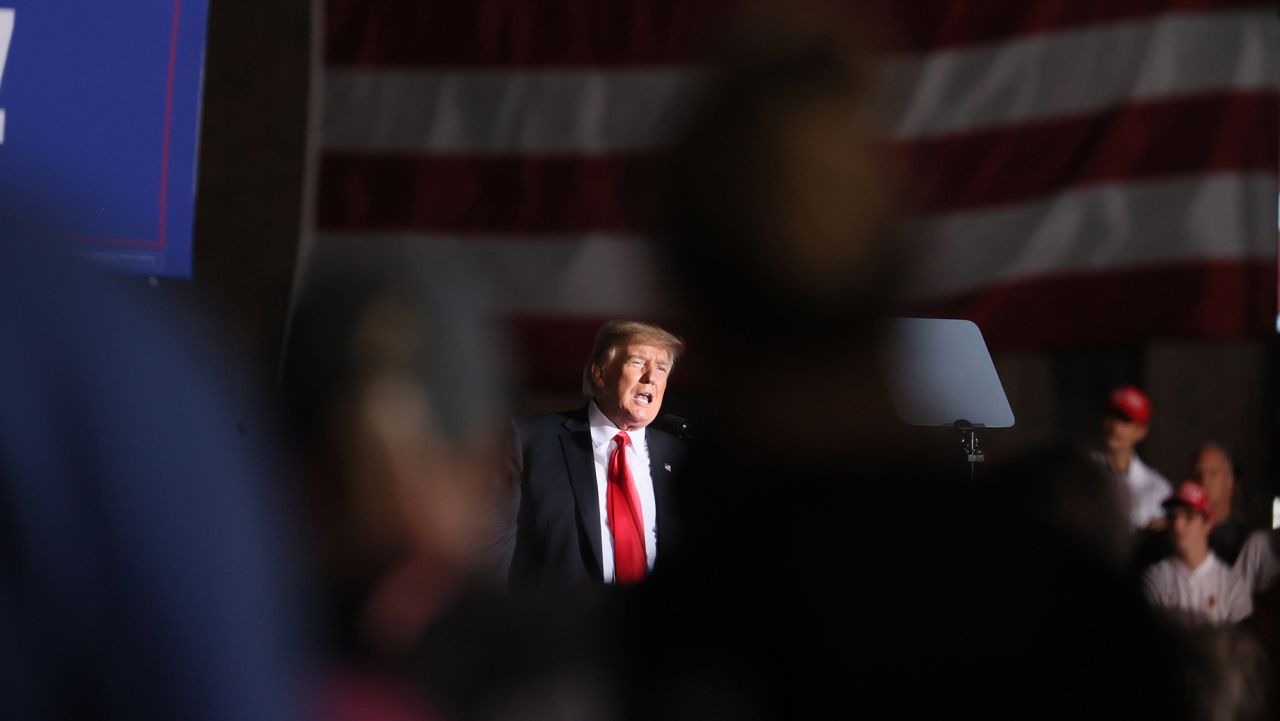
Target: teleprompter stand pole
969, 441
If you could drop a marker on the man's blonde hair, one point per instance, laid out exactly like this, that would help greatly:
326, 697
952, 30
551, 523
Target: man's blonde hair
616, 333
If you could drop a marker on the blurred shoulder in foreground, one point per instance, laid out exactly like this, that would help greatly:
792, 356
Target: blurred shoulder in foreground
143, 557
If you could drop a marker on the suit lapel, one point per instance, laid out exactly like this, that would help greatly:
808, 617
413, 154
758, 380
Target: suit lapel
576, 444
662, 451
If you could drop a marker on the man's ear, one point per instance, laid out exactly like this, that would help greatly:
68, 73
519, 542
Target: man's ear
1142, 434
597, 375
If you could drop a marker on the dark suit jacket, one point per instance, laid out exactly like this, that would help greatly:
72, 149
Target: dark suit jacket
557, 544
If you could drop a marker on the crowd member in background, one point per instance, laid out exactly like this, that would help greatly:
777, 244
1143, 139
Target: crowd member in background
397, 397
1126, 424
1063, 491
144, 560
595, 481
1260, 573
1259, 561
1194, 582
1215, 469
838, 567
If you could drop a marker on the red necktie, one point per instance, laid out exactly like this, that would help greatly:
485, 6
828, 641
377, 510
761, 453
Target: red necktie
622, 503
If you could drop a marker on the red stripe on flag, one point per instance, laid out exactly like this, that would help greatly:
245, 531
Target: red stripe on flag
471, 193
938, 24
1009, 165
1202, 299
578, 33
519, 33
551, 350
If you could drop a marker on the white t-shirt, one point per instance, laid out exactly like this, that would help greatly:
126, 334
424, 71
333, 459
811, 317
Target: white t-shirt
602, 433
1257, 564
1145, 488
1212, 592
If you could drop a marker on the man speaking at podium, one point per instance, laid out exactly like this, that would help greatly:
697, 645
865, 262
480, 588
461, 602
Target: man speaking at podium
594, 481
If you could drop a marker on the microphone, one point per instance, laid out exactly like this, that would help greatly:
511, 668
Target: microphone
676, 426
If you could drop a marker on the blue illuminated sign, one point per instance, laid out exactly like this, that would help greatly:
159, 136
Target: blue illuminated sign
99, 126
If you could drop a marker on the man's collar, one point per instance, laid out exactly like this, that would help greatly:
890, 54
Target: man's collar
1201, 569
603, 430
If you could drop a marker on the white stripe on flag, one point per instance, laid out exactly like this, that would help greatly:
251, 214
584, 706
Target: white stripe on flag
498, 112
1029, 78
1100, 228
1081, 71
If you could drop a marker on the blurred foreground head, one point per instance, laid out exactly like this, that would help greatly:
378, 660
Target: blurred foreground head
392, 379
775, 222
1064, 492
776, 203
778, 230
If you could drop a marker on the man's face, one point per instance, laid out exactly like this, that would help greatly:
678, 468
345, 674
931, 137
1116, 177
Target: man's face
1122, 434
1213, 471
1190, 530
629, 387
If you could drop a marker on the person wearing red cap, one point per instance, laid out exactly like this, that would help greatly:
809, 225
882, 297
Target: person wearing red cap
1193, 583
1125, 425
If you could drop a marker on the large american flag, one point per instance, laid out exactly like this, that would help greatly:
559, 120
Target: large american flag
1082, 171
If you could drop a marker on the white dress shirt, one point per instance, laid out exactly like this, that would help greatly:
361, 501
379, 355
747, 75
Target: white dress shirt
602, 432
1144, 488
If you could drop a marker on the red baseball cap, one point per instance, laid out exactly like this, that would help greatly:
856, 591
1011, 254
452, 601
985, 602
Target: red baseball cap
1193, 496
1130, 403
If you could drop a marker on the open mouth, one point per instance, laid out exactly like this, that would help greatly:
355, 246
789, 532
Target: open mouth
643, 399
